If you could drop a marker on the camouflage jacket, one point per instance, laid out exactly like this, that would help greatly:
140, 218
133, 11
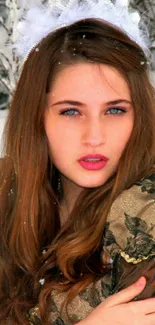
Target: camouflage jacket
129, 240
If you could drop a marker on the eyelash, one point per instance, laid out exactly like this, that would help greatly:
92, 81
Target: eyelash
75, 110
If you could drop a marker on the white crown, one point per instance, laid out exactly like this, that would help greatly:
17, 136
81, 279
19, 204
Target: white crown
40, 20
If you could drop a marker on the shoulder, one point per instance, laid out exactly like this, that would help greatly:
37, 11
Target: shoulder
135, 201
130, 226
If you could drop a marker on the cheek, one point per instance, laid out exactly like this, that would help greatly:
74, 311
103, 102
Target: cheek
62, 141
120, 136
128, 130
62, 138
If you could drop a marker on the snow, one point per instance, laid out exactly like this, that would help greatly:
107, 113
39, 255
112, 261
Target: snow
3, 115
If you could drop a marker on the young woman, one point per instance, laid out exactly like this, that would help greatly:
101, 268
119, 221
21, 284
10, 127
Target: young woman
77, 199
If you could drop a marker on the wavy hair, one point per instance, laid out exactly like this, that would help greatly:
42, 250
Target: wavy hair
29, 203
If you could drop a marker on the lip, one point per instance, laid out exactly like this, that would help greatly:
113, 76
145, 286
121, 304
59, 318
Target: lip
95, 156
93, 165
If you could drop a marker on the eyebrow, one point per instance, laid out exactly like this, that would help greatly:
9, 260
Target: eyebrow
76, 103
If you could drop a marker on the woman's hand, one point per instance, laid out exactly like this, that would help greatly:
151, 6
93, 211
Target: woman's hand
118, 309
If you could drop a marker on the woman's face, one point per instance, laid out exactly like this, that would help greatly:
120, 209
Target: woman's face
81, 121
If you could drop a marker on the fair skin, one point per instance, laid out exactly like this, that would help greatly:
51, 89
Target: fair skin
94, 126
91, 126
118, 309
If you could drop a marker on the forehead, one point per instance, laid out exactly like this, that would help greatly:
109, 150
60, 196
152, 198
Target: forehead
87, 81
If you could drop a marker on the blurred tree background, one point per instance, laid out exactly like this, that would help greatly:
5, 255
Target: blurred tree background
9, 63
3, 73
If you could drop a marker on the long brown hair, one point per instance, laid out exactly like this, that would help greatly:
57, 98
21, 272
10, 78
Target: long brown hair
29, 205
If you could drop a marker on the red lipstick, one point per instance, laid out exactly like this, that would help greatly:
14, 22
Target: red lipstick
93, 162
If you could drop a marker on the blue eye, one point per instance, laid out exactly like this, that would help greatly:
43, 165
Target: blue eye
111, 111
69, 112
116, 111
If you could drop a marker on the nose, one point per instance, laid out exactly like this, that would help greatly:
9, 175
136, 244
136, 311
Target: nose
94, 133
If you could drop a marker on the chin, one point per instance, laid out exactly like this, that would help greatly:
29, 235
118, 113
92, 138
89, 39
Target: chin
92, 185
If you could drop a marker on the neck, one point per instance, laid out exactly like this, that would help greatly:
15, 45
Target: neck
71, 192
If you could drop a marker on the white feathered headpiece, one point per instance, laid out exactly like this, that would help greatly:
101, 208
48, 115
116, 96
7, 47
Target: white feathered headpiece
40, 20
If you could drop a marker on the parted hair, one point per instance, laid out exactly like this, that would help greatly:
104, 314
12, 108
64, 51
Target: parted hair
33, 245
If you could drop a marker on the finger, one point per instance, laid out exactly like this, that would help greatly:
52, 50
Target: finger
126, 294
150, 319
144, 307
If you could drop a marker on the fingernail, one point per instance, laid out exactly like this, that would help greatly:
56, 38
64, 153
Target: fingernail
140, 282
